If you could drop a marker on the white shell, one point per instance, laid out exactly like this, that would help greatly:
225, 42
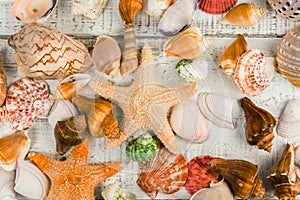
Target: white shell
7, 185
92, 9
61, 111
289, 121
112, 191
30, 181
156, 7
216, 108
188, 123
194, 71
8, 123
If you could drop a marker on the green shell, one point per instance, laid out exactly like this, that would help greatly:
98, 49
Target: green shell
187, 71
141, 149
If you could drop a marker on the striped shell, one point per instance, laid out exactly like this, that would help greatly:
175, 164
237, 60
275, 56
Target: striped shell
216, 6
289, 9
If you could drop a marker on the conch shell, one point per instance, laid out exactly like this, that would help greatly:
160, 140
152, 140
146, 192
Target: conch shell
241, 176
244, 15
259, 125
91, 9
128, 9
47, 53
3, 84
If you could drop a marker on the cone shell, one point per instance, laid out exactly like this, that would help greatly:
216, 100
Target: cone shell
286, 8
165, 172
91, 9
231, 54
7, 185
216, 6
241, 176
156, 7
129, 8
50, 54
200, 175
3, 84
259, 125
244, 15
187, 44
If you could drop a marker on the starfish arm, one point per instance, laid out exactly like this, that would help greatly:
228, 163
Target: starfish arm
104, 90
79, 154
128, 125
100, 172
184, 92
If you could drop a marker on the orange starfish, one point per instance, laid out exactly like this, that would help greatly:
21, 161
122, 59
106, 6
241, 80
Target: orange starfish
74, 178
145, 103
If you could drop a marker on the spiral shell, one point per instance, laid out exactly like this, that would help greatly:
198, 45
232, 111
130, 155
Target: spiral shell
286, 8
129, 8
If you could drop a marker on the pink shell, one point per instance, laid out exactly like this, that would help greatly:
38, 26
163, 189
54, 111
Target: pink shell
200, 174
165, 172
251, 73
216, 6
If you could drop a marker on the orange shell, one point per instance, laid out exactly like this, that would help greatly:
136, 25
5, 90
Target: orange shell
129, 8
3, 84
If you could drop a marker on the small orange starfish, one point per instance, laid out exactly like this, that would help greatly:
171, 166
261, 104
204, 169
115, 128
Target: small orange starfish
145, 103
74, 178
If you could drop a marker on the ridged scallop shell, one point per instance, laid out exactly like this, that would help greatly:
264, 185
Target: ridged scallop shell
47, 53
91, 9
7, 185
30, 181
192, 71
3, 84
216, 108
165, 172
188, 44
216, 6
113, 191
200, 174
156, 7
287, 56
128, 9
188, 122
244, 15
30, 11
289, 9
177, 17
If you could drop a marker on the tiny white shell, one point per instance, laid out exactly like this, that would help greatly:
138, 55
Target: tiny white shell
7, 185
92, 9
192, 71
112, 191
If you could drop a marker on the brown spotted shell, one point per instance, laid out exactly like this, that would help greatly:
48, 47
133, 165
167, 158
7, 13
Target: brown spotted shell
289, 9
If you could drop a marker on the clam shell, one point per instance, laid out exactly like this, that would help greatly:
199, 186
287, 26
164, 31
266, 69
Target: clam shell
3, 84
286, 8
30, 11
187, 44
216, 108
216, 6
47, 53
7, 185
129, 8
200, 175
113, 190
156, 7
107, 55
192, 71
91, 9
244, 15
30, 181
188, 123
165, 172
177, 17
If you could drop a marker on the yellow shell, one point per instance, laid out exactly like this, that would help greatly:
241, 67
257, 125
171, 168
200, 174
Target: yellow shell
129, 8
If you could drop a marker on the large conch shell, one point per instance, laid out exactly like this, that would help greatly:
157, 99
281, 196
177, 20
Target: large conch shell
89, 8
156, 7
286, 8
259, 125
284, 176
244, 14
241, 176
47, 53
3, 84
216, 6
7, 185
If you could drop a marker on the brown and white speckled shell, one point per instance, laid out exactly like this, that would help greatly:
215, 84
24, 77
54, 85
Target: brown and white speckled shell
286, 8
47, 53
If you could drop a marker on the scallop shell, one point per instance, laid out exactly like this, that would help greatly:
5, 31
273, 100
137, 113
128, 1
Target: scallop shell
192, 71
30, 11
200, 175
216, 6
156, 7
3, 84
286, 8
106, 55
7, 185
188, 123
177, 17
128, 9
114, 191
244, 15
165, 172
91, 9
188, 44
216, 108
47, 53
30, 181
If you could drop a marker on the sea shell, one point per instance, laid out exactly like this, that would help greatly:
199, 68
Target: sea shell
156, 7
229, 57
241, 176
286, 8
141, 149
12, 147
70, 133
188, 44
259, 125
114, 191
30, 181
91, 9
128, 9
8, 123
30, 11
216, 108
297, 155
287, 56
188, 123
284, 175
177, 17
216, 6
3, 84
106, 55
219, 190
192, 71
244, 15
200, 174
165, 172
252, 74
47, 53
71, 85
7, 185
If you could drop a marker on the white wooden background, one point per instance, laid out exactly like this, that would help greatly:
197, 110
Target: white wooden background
222, 142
